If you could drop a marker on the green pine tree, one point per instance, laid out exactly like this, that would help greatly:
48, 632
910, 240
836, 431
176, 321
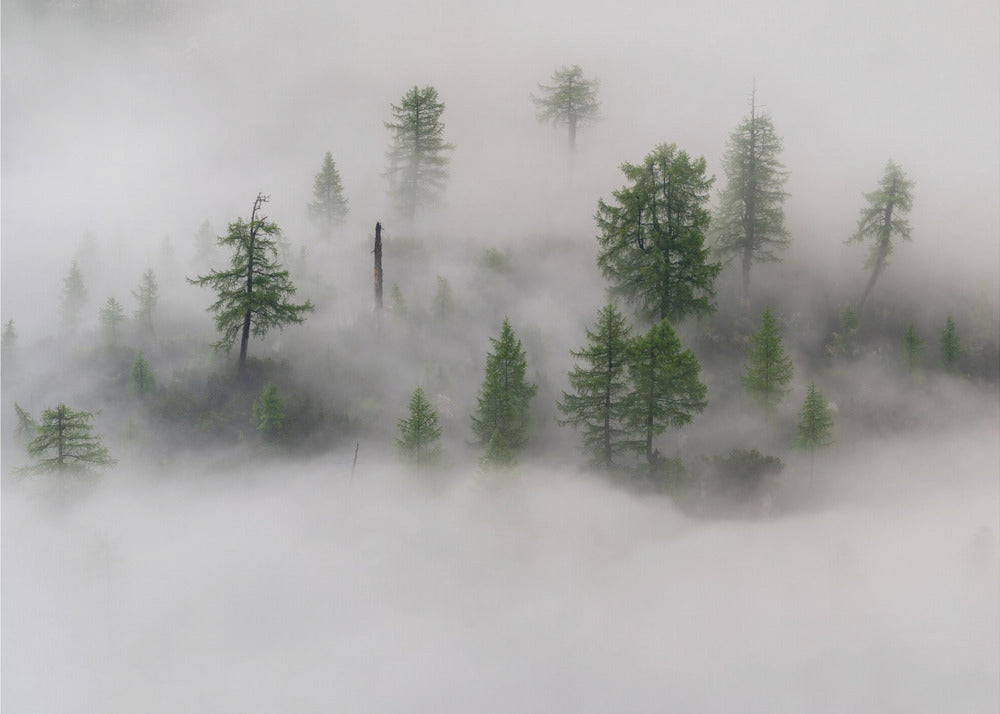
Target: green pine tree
815, 428
74, 297
664, 388
419, 433
912, 347
8, 346
570, 100
845, 342
951, 346
64, 442
652, 239
600, 384
444, 303
498, 454
141, 377
768, 370
503, 399
329, 206
26, 425
147, 295
269, 412
112, 315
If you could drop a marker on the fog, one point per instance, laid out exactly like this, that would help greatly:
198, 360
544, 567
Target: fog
210, 570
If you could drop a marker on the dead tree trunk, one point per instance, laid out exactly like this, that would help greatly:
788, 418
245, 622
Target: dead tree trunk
378, 266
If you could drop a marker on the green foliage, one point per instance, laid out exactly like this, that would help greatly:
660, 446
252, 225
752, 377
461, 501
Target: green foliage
74, 296
494, 261
418, 166
498, 454
26, 425
815, 428
750, 222
664, 387
64, 442
397, 303
503, 399
8, 341
254, 293
845, 342
600, 385
912, 347
951, 346
269, 412
570, 100
768, 370
147, 295
443, 306
329, 206
112, 315
740, 474
652, 240
420, 434
141, 378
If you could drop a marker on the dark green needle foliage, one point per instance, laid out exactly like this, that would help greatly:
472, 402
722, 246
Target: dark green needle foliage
912, 347
652, 237
599, 380
768, 370
570, 101
418, 164
141, 376
328, 208
665, 389
419, 434
254, 294
815, 428
64, 442
503, 399
498, 454
951, 346
269, 412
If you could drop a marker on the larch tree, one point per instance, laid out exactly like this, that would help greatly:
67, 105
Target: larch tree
951, 346
74, 297
912, 348
600, 385
254, 293
749, 225
64, 442
845, 342
503, 399
419, 434
141, 378
768, 370
147, 295
570, 101
882, 220
269, 412
112, 315
815, 427
328, 208
665, 389
418, 161
8, 345
652, 237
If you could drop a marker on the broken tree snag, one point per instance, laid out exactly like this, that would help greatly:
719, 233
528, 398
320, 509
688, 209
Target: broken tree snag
378, 265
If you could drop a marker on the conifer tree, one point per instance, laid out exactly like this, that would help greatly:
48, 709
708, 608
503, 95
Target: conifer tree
768, 370
845, 342
498, 454
329, 206
664, 388
951, 346
26, 425
815, 428
503, 399
147, 295
64, 442
8, 345
750, 223
652, 239
419, 433
269, 412
112, 315
912, 347
255, 292
444, 303
571, 100
74, 297
141, 377
600, 386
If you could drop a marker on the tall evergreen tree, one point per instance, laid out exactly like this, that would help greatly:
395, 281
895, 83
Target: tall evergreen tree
8, 345
665, 388
141, 376
570, 101
652, 239
419, 434
768, 370
329, 206
444, 303
882, 220
503, 399
26, 427
815, 428
845, 342
750, 223
418, 166
912, 347
112, 315
951, 346
600, 385
64, 442
147, 295
269, 412
74, 297
254, 293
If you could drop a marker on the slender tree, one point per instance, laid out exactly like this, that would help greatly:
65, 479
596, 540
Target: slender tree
951, 346
912, 347
444, 302
845, 342
815, 428
8, 345
64, 442
418, 165
269, 412
600, 385
503, 399
750, 223
26, 427
112, 315
768, 370
329, 206
74, 297
141, 376
147, 295
664, 388
882, 220
570, 101
254, 293
652, 238
419, 434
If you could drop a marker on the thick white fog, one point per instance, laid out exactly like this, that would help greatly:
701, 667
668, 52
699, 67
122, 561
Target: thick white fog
213, 571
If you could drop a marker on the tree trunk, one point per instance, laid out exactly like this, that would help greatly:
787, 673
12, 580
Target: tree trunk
745, 296
378, 266
572, 133
883, 249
